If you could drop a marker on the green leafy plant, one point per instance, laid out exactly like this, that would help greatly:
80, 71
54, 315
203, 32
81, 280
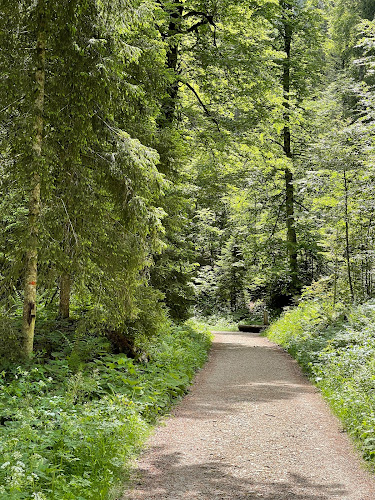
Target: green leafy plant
68, 434
339, 357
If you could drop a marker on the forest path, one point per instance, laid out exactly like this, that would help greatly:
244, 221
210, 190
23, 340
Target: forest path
251, 427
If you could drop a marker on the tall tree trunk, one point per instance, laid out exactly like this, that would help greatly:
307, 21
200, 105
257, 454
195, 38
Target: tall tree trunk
169, 103
29, 306
336, 268
291, 238
65, 286
347, 249
66, 277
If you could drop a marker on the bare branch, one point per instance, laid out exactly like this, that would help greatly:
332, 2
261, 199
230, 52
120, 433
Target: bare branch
206, 110
194, 27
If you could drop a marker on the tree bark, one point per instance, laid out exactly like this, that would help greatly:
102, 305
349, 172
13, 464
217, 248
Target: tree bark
291, 238
336, 268
66, 274
65, 287
347, 249
169, 103
29, 306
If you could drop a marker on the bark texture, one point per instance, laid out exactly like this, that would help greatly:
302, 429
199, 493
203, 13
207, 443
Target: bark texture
291, 238
65, 287
29, 306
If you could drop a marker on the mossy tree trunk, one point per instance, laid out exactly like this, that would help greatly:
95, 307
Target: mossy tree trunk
31, 268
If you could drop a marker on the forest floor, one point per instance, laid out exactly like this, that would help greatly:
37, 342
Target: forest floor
252, 426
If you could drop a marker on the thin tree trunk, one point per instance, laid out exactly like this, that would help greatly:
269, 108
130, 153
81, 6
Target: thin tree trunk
370, 283
347, 250
291, 238
169, 103
335, 272
291, 231
29, 306
65, 287
65, 278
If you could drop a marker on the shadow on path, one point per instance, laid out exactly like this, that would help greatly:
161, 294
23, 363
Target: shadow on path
211, 480
245, 374
252, 427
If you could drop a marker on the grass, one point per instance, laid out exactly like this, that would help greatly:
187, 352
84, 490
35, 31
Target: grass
337, 351
70, 433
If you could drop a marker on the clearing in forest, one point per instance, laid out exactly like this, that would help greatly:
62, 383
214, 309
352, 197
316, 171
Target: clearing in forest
251, 427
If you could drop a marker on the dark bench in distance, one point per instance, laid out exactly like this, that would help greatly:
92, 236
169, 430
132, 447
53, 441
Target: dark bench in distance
251, 328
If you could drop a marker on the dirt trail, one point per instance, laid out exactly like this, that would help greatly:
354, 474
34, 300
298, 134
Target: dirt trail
251, 427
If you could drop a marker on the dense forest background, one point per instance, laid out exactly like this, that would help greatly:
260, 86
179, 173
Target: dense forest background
164, 159
169, 158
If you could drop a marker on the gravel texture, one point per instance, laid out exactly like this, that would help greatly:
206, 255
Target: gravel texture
251, 427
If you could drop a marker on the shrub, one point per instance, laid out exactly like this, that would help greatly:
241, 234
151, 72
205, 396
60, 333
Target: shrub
67, 434
339, 355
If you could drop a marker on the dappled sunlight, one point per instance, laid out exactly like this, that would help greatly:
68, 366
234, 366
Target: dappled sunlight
251, 427
169, 477
247, 374
238, 395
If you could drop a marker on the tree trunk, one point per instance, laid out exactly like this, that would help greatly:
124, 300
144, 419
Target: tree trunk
65, 286
66, 275
347, 249
291, 238
169, 103
29, 306
336, 268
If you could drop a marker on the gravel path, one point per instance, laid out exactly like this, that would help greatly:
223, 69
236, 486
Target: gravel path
251, 427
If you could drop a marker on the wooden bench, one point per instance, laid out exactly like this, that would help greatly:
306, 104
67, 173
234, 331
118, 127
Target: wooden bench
251, 328
255, 328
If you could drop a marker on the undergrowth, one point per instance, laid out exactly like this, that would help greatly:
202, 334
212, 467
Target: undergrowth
69, 431
217, 323
336, 348
229, 322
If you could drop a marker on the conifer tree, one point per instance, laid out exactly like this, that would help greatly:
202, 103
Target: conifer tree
98, 223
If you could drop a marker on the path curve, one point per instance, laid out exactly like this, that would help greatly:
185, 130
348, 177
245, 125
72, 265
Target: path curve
251, 427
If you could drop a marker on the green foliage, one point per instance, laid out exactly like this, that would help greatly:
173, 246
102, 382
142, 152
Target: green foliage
218, 322
70, 434
9, 335
100, 221
338, 354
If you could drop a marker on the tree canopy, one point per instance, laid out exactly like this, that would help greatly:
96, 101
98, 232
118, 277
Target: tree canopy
169, 158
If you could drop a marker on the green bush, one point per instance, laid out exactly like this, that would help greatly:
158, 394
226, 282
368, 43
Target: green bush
218, 322
339, 356
10, 333
70, 435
